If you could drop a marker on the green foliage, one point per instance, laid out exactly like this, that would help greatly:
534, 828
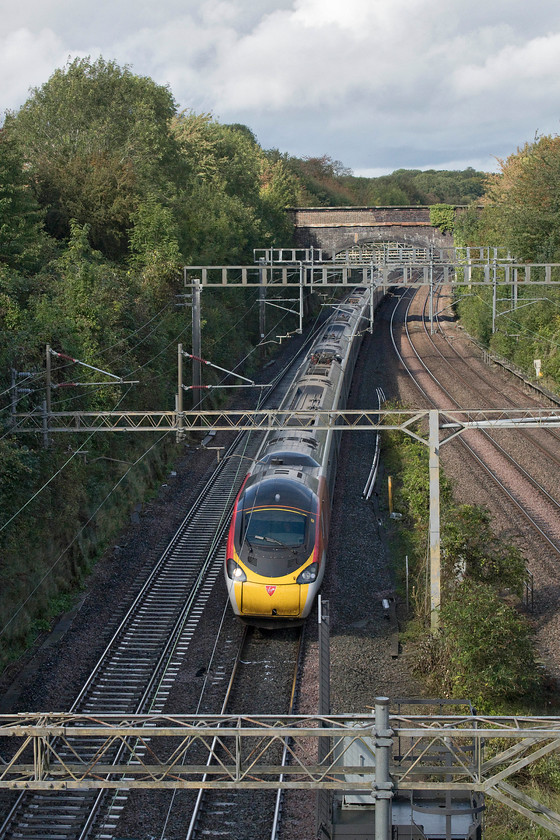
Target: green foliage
470, 549
469, 228
327, 182
442, 216
503, 823
83, 310
131, 190
522, 207
237, 193
321, 181
488, 645
154, 247
485, 648
414, 187
474, 307
16, 468
412, 495
21, 238
96, 137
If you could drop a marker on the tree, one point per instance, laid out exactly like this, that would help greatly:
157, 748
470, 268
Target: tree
21, 234
470, 549
154, 247
523, 202
488, 645
95, 139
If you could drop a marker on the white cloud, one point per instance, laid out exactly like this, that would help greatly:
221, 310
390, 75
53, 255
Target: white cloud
535, 64
26, 59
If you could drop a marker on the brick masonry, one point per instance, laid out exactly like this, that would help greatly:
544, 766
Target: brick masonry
335, 228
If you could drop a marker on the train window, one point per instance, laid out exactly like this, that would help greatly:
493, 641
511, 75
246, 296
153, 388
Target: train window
289, 459
311, 442
270, 527
308, 396
281, 493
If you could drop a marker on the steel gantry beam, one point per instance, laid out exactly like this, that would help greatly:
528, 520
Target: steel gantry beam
432, 427
414, 272
451, 421
64, 751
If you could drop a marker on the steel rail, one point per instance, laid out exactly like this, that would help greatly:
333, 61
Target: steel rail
233, 797
478, 459
197, 809
494, 442
130, 676
445, 337
110, 684
520, 469
274, 834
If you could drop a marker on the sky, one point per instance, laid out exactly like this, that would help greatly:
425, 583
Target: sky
376, 84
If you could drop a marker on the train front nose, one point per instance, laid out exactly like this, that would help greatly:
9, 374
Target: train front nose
282, 600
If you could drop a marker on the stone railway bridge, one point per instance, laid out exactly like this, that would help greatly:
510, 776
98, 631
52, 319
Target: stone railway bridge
335, 229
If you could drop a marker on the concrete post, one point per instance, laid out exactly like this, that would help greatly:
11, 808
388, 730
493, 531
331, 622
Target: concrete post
494, 296
47, 403
431, 295
371, 300
302, 278
435, 548
179, 405
383, 783
262, 309
48, 389
196, 343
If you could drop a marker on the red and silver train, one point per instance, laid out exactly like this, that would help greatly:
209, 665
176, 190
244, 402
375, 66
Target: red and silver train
277, 542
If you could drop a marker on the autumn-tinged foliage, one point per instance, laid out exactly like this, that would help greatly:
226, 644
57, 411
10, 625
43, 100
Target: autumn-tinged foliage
106, 190
520, 214
523, 202
324, 181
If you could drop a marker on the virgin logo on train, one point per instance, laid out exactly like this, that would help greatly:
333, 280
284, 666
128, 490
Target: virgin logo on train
271, 590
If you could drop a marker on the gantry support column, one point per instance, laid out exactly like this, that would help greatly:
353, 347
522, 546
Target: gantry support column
196, 344
435, 545
383, 783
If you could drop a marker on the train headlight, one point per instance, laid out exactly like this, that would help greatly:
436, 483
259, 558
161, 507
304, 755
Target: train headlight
309, 574
234, 570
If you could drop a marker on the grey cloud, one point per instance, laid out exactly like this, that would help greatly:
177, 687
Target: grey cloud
369, 82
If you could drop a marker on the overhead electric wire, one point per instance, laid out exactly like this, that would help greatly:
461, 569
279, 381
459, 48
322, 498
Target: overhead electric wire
108, 495
247, 356
80, 531
52, 478
173, 341
40, 374
523, 329
134, 371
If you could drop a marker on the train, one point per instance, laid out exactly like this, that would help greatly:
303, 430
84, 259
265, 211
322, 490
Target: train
278, 535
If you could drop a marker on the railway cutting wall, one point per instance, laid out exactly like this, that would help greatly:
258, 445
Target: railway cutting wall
334, 229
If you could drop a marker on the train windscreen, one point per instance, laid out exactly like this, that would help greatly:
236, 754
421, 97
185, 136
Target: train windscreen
275, 526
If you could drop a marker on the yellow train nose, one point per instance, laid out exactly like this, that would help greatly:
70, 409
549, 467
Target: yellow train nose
260, 599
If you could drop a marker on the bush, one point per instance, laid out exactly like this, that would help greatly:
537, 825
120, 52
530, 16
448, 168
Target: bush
469, 548
488, 646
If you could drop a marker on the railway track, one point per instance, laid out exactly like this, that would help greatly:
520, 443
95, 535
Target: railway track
545, 441
138, 667
264, 677
530, 498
